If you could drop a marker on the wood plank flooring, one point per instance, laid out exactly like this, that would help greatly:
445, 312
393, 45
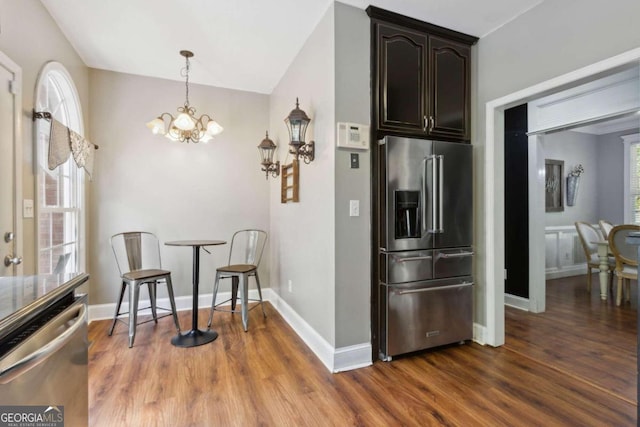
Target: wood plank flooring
564, 367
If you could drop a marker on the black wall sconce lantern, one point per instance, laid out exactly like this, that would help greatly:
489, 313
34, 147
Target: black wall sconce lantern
267, 148
297, 123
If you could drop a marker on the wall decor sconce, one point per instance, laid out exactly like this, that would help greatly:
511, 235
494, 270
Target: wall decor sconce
297, 123
267, 148
185, 127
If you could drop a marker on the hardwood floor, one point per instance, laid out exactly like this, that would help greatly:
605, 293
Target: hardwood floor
574, 365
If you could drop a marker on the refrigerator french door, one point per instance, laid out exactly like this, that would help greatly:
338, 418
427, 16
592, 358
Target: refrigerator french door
425, 244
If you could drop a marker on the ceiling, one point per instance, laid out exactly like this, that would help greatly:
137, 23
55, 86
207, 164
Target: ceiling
238, 44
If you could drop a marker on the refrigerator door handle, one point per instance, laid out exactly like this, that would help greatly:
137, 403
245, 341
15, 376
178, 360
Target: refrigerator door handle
458, 255
440, 193
423, 202
434, 197
435, 288
413, 258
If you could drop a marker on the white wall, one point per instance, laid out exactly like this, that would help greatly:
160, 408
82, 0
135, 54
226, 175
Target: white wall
575, 148
31, 38
611, 173
176, 190
303, 243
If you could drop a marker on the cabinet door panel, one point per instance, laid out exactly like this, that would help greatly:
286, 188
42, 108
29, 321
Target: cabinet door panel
402, 79
449, 79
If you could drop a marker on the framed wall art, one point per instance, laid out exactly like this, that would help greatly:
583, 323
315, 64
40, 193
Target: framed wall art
553, 185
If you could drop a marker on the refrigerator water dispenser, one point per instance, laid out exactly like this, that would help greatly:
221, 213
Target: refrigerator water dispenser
407, 212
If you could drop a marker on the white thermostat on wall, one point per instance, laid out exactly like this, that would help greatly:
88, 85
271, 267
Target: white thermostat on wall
353, 135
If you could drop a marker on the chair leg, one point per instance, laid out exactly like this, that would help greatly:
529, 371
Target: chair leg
134, 293
115, 316
628, 291
153, 288
244, 299
172, 301
619, 293
213, 302
234, 291
588, 279
260, 294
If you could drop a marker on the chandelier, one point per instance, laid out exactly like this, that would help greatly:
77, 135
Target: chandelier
185, 127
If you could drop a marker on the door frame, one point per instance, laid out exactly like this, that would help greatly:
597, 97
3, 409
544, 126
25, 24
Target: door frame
494, 198
14, 68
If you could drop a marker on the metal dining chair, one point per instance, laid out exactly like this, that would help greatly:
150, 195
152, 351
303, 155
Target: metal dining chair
626, 257
137, 256
245, 254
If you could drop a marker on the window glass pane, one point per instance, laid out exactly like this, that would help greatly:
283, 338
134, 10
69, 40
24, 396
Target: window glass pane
44, 262
44, 229
60, 191
57, 228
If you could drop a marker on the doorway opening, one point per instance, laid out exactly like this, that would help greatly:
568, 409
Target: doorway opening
494, 200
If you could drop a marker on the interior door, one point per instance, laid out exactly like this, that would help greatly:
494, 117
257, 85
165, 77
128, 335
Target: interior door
8, 172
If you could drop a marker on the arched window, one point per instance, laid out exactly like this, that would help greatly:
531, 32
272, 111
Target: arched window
60, 194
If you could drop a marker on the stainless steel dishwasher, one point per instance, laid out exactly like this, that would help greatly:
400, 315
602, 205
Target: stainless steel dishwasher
44, 361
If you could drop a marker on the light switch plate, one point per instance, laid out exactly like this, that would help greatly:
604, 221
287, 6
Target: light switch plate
27, 208
354, 207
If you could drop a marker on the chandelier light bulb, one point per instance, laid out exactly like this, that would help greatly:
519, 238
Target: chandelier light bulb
157, 126
184, 122
213, 128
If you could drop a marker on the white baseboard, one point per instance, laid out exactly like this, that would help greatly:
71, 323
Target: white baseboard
574, 270
479, 334
352, 357
336, 360
516, 302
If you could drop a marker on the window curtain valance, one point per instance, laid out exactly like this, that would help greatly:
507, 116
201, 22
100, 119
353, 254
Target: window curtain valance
64, 142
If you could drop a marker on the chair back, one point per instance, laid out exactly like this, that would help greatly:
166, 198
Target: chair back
136, 250
605, 228
247, 247
588, 234
623, 252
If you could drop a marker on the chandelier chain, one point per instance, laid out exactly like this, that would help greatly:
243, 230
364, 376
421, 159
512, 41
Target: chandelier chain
186, 103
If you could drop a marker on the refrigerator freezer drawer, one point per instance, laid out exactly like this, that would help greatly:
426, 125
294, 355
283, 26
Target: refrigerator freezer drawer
426, 315
407, 266
452, 262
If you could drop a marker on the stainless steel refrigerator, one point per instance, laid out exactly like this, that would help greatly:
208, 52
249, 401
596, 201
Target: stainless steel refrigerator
425, 265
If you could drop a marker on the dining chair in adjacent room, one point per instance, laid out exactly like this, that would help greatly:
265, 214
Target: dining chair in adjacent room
626, 257
605, 228
244, 257
588, 235
137, 256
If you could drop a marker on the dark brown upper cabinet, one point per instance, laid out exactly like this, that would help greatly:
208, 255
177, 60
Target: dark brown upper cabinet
402, 79
449, 95
421, 78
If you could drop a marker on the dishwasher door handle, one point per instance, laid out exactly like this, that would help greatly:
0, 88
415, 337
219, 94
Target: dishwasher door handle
33, 359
